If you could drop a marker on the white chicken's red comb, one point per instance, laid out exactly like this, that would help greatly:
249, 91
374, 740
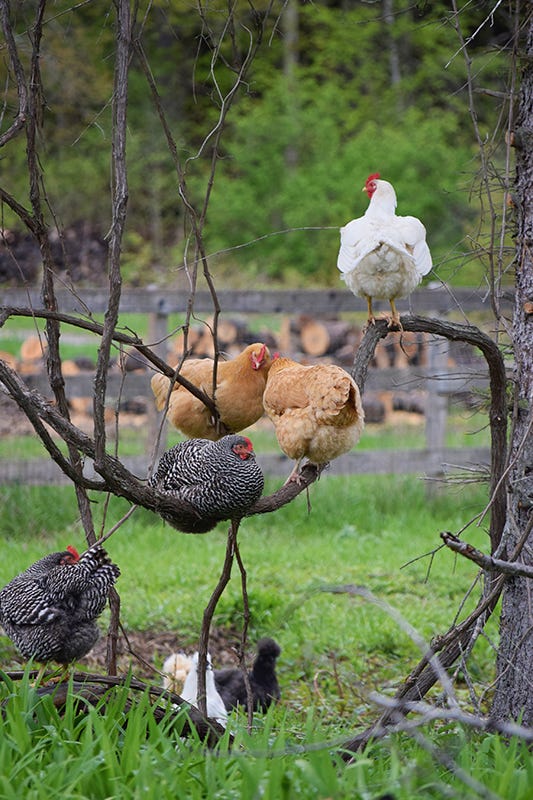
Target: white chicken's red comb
374, 177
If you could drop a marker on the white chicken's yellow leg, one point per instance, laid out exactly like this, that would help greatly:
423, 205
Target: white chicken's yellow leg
395, 319
371, 317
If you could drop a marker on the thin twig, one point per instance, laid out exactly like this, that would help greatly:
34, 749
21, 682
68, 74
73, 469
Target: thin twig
117, 525
244, 636
224, 579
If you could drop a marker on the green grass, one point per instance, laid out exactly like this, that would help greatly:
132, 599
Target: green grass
95, 755
336, 648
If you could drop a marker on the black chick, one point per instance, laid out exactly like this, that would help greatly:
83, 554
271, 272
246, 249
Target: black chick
49, 610
263, 681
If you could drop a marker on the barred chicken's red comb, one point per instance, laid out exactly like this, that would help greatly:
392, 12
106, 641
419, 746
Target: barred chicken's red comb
73, 552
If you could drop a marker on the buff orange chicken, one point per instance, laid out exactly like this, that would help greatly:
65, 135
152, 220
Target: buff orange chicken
316, 411
238, 397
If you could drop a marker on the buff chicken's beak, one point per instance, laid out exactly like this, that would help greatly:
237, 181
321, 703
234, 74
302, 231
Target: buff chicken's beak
257, 360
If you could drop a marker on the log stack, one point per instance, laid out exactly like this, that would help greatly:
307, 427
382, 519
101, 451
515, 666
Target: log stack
308, 339
337, 340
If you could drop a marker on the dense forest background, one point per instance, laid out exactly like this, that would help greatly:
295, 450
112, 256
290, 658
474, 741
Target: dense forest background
337, 90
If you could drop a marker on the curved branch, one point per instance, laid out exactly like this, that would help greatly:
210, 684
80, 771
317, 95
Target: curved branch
286, 493
498, 404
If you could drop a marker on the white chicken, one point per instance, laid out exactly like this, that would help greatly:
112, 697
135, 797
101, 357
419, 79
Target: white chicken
215, 705
175, 669
383, 256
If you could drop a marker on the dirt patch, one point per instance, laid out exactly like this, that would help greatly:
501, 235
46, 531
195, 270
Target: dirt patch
145, 651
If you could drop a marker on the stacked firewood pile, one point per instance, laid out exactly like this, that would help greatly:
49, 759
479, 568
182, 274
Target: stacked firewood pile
79, 253
303, 338
306, 339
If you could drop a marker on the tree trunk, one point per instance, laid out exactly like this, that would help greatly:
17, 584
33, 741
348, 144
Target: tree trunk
290, 24
394, 56
514, 668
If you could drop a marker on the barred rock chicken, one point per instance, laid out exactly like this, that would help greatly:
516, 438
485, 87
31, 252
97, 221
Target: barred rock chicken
215, 705
263, 681
383, 255
316, 411
221, 480
49, 611
240, 387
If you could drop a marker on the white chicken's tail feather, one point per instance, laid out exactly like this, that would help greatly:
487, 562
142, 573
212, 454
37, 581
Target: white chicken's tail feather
349, 257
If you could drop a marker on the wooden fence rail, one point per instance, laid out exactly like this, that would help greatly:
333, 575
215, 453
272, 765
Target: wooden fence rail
432, 299
436, 378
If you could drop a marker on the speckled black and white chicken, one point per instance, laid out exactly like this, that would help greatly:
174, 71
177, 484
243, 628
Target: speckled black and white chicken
220, 480
49, 610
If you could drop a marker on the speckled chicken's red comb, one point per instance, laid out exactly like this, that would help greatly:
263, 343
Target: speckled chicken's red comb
373, 177
73, 552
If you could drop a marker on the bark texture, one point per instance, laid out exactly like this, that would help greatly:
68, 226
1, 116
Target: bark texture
514, 696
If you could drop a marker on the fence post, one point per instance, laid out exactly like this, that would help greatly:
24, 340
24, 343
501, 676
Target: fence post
437, 397
158, 332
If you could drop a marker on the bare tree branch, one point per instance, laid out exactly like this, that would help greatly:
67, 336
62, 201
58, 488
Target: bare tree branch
118, 337
495, 249
22, 90
453, 331
116, 478
449, 646
212, 140
224, 579
488, 563
119, 206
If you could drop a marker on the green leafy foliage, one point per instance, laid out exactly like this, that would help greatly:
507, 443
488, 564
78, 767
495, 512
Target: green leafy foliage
297, 146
